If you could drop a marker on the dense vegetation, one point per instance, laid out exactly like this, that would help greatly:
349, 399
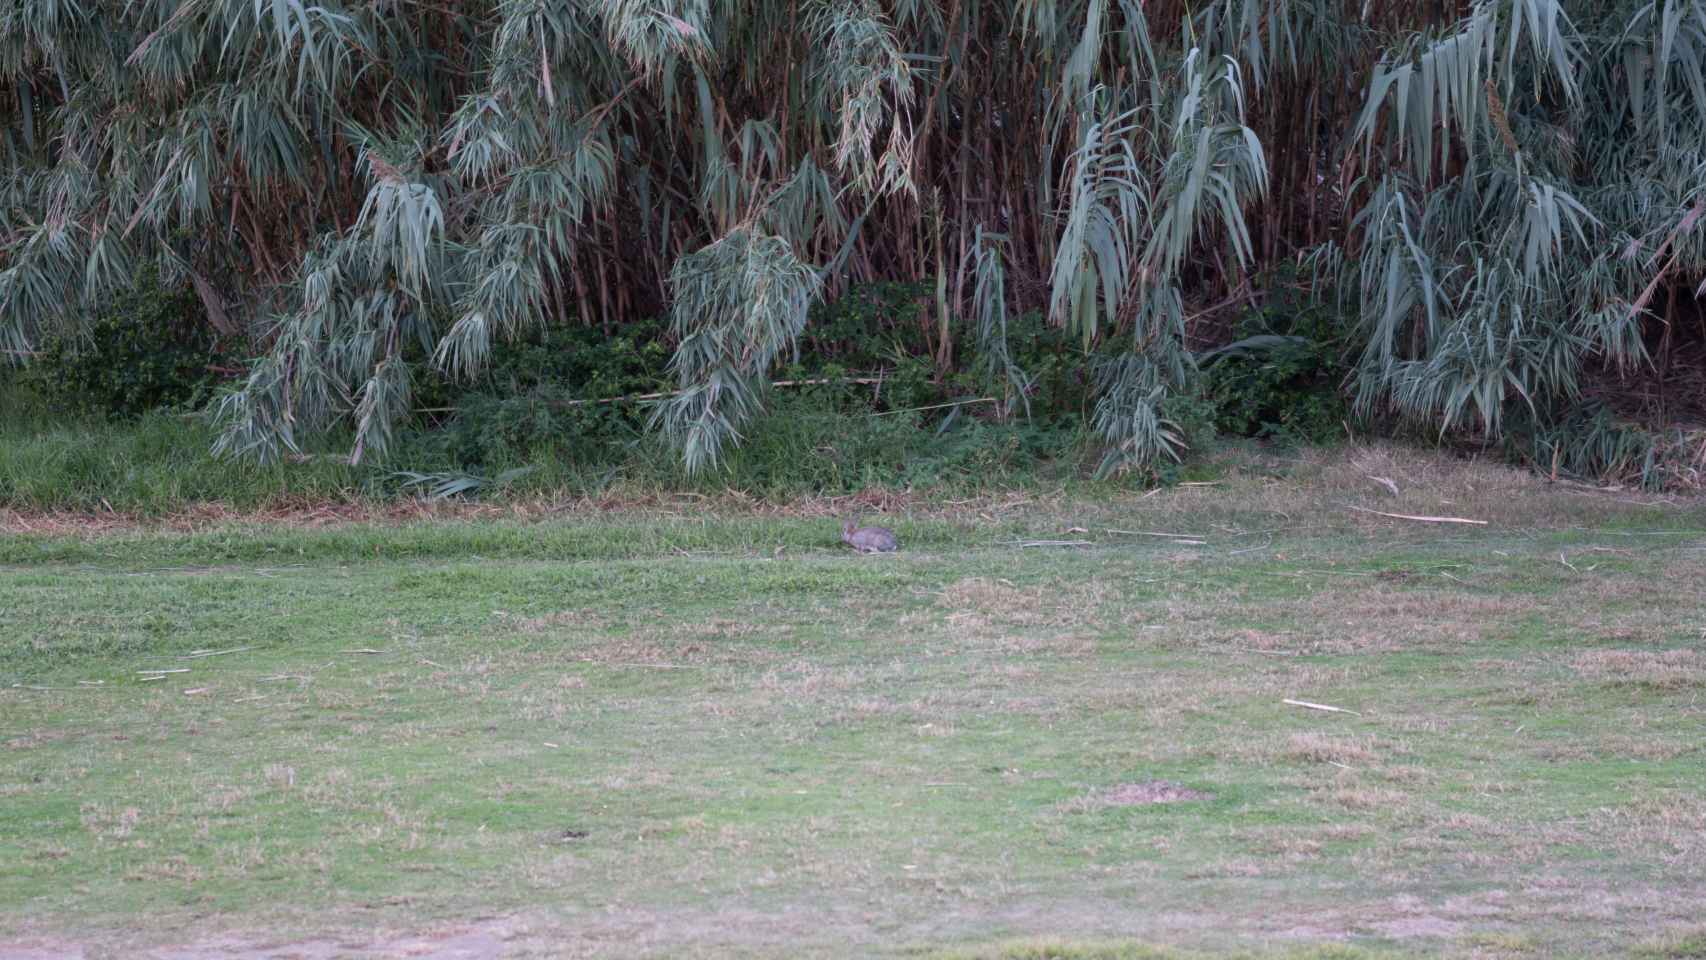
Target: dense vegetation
1479, 219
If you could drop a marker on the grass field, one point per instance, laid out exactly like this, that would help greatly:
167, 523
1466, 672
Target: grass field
1041, 730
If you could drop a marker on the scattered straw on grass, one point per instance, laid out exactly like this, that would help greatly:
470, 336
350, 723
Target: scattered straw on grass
562, 618
1321, 748
1145, 793
1666, 671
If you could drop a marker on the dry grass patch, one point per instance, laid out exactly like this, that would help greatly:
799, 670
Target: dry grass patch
1666, 670
1345, 832
976, 601
35, 737
723, 628
1372, 617
562, 618
1687, 944
1353, 795
169, 870
649, 651
1324, 748
1289, 844
331, 511
1141, 794
1486, 946
109, 823
675, 644
1667, 826
994, 614
802, 679
1647, 748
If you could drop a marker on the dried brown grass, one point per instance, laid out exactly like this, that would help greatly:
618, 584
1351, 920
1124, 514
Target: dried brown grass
1312, 493
561, 618
316, 513
1666, 670
974, 601
1366, 616
1325, 748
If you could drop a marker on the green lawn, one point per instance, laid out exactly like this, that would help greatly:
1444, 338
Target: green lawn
668, 733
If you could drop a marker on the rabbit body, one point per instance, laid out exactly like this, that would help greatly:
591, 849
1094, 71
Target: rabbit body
868, 539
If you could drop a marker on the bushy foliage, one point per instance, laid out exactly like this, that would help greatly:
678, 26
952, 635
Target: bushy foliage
1509, 190
564, 392
1530, 199
722, 164
151, 347
1282, 378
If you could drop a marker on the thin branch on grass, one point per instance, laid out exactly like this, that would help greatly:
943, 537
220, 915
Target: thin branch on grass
1313, 573
1387, 483
1419, 519
203, 654
1153, 533
1321, 706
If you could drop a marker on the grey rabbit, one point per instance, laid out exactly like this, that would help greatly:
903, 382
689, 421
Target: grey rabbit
868, 539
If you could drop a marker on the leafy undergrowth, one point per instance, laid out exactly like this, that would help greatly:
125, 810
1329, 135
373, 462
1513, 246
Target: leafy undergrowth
1048, 729
813, 443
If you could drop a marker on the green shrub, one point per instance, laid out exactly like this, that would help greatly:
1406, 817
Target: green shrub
550, 394
865, 327
1282, 377
151, 348
816, 441
807, 441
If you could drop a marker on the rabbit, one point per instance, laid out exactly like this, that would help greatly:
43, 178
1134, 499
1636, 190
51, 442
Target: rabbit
868, 539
